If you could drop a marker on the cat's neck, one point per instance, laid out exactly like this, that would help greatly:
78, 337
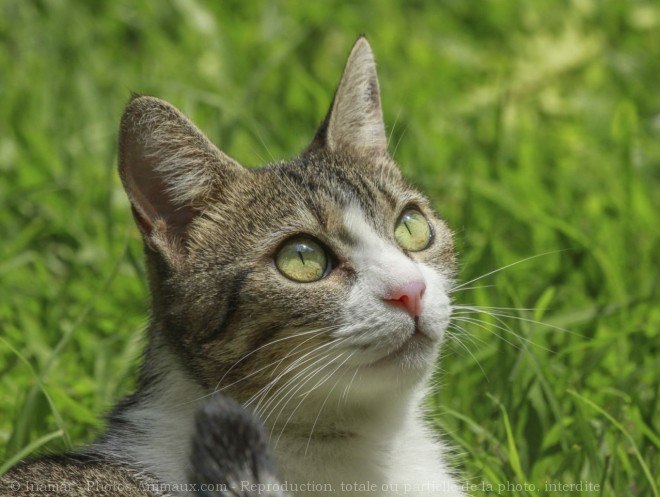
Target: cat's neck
154, 426
165, 382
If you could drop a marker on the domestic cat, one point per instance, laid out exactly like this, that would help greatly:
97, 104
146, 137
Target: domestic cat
313, 291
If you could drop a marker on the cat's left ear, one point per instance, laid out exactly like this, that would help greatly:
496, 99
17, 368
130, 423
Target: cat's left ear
169, 170
354, 123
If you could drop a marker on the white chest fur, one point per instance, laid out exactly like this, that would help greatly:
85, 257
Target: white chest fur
391, 454
408, 466
378, 461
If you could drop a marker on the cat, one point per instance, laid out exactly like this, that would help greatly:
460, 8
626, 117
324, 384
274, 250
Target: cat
313, 291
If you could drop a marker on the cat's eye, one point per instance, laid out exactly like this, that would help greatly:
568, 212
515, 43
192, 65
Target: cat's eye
302, 259
412, 231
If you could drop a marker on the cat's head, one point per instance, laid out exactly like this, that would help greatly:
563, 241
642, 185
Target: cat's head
317, 272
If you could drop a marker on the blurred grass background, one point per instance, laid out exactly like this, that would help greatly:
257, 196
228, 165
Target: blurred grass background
534, 127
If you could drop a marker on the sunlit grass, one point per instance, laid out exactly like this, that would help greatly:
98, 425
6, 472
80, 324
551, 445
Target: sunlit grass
534, 127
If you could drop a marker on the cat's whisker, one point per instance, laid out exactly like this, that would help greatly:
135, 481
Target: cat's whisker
259, 395
454, 289
291, 393
290, 185
502, 325
398, 142
286, 394
463, 334
325, 378
264, 391
506, 329
389, 142
344, 395
309, 439
332, 341
462, 289
268, 344
456, 340
283, 391
478, 308
256, 132
485, 310
275, 363
396, 120
308, 393
217, 390
291, 367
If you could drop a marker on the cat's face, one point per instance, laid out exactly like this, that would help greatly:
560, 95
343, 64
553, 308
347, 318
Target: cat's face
313, 274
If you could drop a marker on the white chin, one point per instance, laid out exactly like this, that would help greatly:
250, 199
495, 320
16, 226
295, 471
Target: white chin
386, 378
418, 354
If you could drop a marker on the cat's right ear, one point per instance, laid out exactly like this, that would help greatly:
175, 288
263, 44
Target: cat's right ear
354, 123
168, 168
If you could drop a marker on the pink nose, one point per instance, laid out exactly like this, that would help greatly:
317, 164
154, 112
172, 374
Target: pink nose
409, 297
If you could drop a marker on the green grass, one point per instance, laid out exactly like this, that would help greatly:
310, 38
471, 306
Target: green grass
533, 126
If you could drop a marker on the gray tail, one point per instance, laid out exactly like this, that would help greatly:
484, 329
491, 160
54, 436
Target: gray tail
230, 455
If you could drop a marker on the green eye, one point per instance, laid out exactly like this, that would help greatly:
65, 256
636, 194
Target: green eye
412, 231
302, 259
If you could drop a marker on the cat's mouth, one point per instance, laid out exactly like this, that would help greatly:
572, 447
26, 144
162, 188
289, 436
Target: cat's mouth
413, 350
